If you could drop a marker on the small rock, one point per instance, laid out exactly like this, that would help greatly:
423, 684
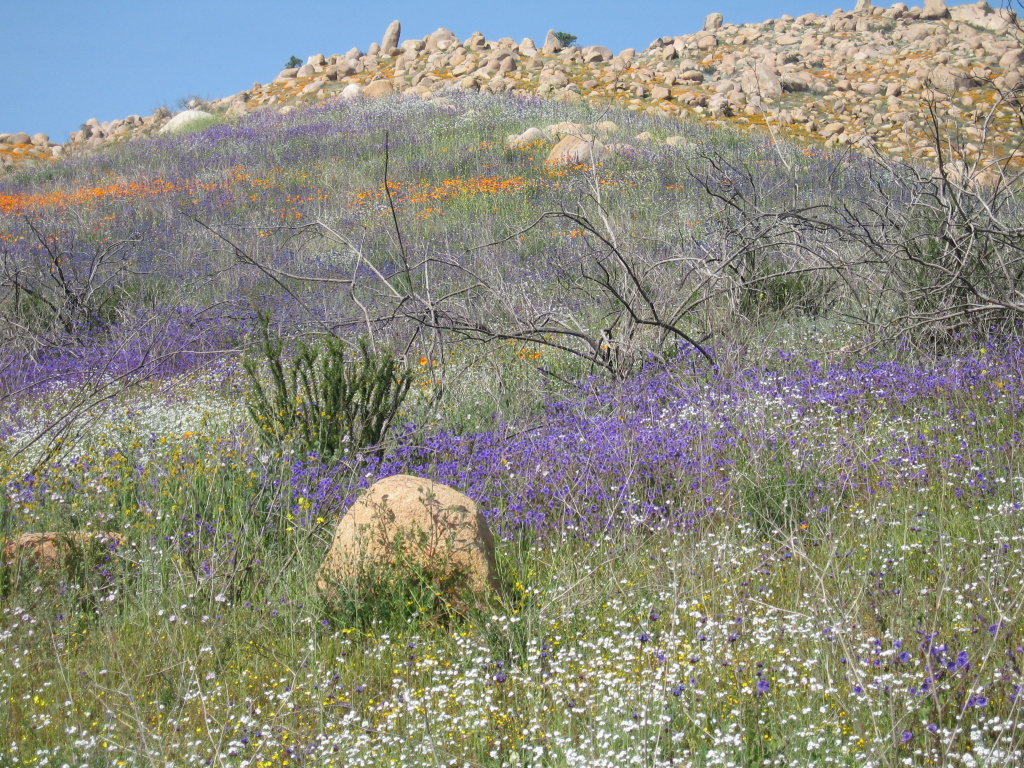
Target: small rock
352, 91
529, 136
832, 129
577, 150
50, 549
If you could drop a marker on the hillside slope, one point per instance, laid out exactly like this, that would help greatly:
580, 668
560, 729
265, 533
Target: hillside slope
874, 78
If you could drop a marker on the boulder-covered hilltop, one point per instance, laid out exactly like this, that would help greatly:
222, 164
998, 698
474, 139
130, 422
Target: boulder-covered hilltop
871, 78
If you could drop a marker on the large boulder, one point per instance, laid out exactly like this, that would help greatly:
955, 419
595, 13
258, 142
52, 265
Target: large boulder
441, 40
51, 549
184, 120
578, 150
406, 519
597, 53
551, 43
713, 21
391, 36
934, 9
762, 81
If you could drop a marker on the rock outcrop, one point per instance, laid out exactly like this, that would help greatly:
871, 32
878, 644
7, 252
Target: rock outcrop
868, 78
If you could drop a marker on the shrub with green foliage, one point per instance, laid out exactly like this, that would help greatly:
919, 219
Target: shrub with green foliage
322, 402
565, 38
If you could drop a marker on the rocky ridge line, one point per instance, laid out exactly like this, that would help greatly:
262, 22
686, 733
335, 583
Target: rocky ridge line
870, 78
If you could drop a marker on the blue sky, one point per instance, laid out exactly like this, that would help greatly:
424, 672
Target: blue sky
66, 61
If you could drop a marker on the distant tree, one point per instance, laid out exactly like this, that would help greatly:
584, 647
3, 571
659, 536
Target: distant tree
565, 38
293, 62
192, 101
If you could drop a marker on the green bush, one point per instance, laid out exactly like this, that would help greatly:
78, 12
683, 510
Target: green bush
293, 63
319, 401
565, 38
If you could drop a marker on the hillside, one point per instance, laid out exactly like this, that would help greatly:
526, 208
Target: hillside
869, 78
737, 418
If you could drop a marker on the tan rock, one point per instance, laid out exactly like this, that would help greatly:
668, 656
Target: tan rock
606, 128
50, 549
934, 9
713, 21
406, 519
578, 150
185, 120
352, 91
391, 36
707, 42
529, 136
796, 82
378, 89
1012, 59
441, 40
762, 81
551, 43
596, 53
832, 129
558, 130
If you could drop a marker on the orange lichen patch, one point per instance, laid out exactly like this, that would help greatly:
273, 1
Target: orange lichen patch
22, 203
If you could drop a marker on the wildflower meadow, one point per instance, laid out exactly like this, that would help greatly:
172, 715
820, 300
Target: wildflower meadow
782, 527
